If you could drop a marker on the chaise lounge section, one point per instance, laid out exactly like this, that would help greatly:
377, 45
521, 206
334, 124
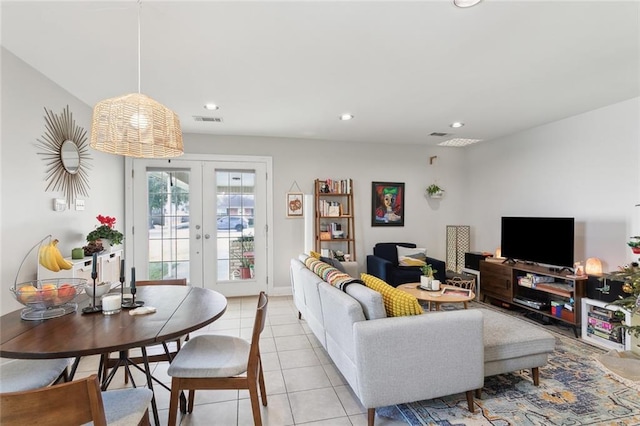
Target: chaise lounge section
382, 357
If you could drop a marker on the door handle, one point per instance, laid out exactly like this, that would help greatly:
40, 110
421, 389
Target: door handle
198, 236
207, 236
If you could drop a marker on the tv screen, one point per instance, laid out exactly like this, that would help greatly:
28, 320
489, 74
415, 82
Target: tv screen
545, 240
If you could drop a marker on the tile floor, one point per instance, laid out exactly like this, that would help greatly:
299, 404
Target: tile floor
303, 386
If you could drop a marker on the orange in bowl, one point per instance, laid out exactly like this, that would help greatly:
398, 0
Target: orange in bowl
27, 293
48, 291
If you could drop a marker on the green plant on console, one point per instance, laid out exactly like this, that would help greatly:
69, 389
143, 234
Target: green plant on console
106, 230
428, 271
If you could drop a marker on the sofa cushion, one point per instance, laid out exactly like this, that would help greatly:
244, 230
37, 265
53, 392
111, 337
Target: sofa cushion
333, 262
370, 300
506, 337
408, 256
328, 273
314, 254
396, 302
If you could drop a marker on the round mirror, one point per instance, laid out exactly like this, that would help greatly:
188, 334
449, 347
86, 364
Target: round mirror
70, 156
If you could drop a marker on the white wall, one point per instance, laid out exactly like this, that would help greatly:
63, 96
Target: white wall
304, 161
585, 167
27, 214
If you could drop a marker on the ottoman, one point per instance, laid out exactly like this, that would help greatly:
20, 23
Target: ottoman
512, 344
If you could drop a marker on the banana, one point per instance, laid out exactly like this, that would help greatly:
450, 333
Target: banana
57, 256
46, 259
50, 257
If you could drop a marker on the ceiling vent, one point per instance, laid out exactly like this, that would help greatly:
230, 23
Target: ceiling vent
438, 134
208, 119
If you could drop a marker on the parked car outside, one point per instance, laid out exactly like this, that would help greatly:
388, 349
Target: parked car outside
232, 222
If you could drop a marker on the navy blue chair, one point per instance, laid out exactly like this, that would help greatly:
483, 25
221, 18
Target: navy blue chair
383, 263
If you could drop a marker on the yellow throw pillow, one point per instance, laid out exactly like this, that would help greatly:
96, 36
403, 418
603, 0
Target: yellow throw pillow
397, 303
314, 254
411, 256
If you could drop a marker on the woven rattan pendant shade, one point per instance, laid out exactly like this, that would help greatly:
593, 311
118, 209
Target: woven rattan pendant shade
135, 125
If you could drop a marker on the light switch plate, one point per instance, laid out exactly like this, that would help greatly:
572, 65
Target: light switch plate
79, 204
59, 204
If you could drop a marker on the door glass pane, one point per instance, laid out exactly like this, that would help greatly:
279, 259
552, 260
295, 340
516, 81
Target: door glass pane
168, 224
235, 196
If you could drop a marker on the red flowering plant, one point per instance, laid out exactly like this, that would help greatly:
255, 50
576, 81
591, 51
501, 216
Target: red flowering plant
106, 230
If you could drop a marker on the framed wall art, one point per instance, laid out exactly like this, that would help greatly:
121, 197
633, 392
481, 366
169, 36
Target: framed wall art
295, 204
387, 204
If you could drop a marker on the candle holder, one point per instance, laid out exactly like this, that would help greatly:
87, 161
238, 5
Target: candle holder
134, 303
93, 308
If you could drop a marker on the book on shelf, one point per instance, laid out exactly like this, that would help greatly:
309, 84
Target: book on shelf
332, 186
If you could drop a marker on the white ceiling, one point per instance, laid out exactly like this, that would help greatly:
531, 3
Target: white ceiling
290, 68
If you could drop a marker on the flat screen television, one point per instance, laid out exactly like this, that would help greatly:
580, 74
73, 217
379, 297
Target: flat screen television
544, 240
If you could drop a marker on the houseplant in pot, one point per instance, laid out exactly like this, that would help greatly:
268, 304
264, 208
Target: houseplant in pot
635, 244
426, 279
434, 191
105, 233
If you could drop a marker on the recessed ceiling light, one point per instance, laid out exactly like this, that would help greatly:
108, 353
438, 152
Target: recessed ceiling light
458, 142
211, 107
456, 124
345, 117
466, 3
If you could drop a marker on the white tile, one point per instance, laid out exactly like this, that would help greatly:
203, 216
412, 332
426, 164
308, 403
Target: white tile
350, 402
305, 378
335, 377
224, 413
289, 343
287, 330
340, 421
314, 405
276, 413
298, 358
270, 361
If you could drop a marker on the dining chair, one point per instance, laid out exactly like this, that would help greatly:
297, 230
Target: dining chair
218, 362
27, 374
74, 403
156, 353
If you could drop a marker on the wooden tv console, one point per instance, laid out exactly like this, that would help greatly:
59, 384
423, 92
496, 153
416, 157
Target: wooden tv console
502, 282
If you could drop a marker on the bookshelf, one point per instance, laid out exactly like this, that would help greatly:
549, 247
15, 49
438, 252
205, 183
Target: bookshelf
598, 325
334, 217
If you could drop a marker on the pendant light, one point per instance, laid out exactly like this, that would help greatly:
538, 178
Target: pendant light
135, 125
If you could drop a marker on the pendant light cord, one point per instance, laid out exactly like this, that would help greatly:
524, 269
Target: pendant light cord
139, 7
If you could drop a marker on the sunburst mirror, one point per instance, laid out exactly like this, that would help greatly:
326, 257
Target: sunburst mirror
66, 153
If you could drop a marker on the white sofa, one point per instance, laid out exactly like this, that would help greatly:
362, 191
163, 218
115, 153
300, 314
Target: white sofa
392, 360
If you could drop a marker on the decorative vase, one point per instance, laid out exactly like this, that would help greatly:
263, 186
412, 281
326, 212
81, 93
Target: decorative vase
425, 282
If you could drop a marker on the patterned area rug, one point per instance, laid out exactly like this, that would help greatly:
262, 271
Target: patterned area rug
573, 391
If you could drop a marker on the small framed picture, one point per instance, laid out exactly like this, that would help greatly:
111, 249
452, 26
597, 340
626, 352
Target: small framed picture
463, 292
387, 204
295, 204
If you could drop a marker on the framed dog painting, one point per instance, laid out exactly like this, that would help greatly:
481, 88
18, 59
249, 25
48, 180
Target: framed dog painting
387, 204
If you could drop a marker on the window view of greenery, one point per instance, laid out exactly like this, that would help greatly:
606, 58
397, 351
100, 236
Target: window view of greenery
168, 224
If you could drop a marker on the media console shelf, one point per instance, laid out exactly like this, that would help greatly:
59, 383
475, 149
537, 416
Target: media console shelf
534, 288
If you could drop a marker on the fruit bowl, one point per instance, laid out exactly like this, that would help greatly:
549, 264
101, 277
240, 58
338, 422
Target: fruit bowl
48, 298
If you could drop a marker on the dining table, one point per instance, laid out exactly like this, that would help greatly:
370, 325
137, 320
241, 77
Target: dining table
179, 310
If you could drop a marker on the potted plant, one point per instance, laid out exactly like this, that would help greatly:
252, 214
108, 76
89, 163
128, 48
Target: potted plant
635, 244
106, 233
435, 191
426, 280
242, 252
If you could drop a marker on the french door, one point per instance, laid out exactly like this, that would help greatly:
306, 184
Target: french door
202, 218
